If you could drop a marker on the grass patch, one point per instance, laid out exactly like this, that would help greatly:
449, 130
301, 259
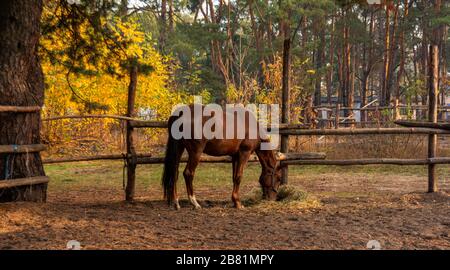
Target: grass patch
109, 174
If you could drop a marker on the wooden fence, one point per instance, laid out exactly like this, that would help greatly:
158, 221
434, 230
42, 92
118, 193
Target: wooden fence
133, 159
334, 119
16, 149
287, 130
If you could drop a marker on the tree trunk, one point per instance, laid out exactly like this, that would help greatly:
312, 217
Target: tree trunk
319, 62
443, 54
346, 59
285, 91
416, 72
286, 66
163, 25
21, 84
368, 60
231, 60
433, 90
258, 44
340, 74
401, 71
392, 54
424, 53
171, 19
351, 88
386, 57
216, 48
331, 67
304, 30
131, 134
269, 30
123, 8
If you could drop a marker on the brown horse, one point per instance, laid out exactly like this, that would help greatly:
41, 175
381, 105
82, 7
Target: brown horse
239, 150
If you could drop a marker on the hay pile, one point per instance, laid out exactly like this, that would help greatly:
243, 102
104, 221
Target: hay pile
286, 194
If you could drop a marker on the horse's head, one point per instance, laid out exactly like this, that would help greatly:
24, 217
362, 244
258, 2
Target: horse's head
270, 180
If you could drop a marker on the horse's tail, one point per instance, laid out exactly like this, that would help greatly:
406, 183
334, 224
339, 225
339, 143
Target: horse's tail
174, 150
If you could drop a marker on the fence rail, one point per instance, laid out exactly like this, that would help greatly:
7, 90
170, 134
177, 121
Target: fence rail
444, 126
418, 128
92, 158
376, 108
19, 109
371, 161
226, 159
27, 148
363, 131
17, 182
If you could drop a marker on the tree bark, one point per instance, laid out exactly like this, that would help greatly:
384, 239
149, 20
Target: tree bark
443, 57
433, 90
319, 62
216, 48
171, 18
131, 135
392, 54
269, 31
424, 52
368, 62
331, 61
285, 91
386, 57
163, 26
258, 44
401, 70
346, 68
21, 84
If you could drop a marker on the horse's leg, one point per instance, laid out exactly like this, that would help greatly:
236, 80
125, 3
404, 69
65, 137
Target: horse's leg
235, 195
239, 163
234, 160
176, 201
193, 160
175, 197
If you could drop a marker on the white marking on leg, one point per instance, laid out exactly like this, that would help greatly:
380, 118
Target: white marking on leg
177, 204
194, 202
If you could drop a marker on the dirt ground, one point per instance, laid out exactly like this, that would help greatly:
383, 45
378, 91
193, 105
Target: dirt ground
344, 211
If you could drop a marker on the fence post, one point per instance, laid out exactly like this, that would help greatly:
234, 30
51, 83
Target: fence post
337, 120
432, 114
285, 100
131, 135
336, 116
396, 110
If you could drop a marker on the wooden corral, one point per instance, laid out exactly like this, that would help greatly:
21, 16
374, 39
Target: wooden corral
318, 158
133, 159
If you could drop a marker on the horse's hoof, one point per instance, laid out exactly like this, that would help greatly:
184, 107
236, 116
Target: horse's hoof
238, 206
197, 207
175, 205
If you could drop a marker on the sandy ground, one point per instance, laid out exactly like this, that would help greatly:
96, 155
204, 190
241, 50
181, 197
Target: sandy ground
344, 213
